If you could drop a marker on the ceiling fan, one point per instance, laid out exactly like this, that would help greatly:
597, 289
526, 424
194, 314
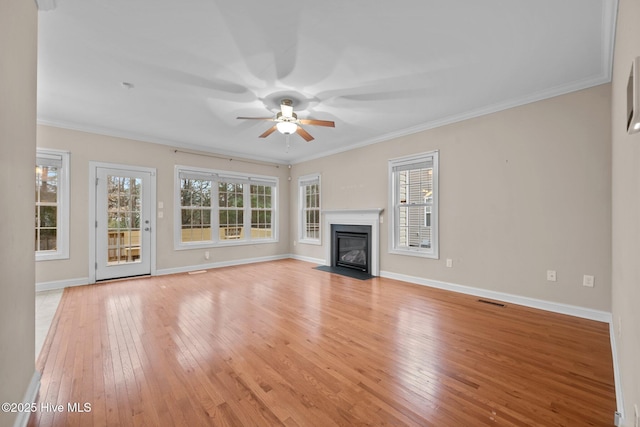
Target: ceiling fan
287, 122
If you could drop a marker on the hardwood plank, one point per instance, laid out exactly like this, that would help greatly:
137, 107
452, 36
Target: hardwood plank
280, 343
99, 400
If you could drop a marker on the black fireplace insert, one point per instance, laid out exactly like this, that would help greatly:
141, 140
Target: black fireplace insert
351, 247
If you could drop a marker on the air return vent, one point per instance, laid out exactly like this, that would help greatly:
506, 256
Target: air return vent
484, 301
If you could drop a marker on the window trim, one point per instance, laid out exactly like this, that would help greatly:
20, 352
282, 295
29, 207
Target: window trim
302, 206
62, 234
216, 177
433, 252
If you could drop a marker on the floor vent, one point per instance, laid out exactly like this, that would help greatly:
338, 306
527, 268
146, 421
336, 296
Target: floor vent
197, 272
491, 302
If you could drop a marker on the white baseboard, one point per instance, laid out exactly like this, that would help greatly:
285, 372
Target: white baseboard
617, 379
220, 264
29, 397
318, 261
555, 307
61, 284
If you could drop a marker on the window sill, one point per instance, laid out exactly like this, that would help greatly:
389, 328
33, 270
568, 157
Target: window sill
415, 253
315, 242
212, 244
51, 256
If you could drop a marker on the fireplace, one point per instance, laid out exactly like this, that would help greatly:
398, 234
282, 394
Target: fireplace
369, 218
351, 247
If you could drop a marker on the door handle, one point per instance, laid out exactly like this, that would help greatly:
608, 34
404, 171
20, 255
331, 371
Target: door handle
147, 228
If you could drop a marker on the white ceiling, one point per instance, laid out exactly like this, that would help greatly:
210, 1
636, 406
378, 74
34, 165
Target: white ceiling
378, 69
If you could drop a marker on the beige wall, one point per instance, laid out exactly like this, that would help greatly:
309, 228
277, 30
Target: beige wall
521, 191
626, 212
18, 35
86, 147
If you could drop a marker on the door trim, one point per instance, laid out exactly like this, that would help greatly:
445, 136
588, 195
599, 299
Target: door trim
93, 167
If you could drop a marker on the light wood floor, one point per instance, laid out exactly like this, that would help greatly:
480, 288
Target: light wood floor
280, 343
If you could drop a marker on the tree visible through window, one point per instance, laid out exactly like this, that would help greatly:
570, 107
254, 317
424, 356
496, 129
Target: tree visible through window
261, 221
217, 207
231, 210
46, 207
195, 208
51, 205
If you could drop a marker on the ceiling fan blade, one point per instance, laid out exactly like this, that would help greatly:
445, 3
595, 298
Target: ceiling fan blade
268, 131
317, 122
303, 133
256, 118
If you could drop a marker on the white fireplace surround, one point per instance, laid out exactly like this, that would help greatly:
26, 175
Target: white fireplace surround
369, 217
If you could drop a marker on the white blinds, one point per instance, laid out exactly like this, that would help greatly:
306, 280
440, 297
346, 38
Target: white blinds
227, 178
263, 181
49, 160
184, 174
421, 164
252, 180
310, 180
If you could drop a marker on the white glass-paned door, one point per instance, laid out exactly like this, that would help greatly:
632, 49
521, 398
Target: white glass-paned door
123, 230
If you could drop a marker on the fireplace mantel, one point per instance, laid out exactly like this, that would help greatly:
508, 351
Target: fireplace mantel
369, 217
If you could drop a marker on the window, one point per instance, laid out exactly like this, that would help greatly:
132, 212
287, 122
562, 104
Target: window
414, 205
261, 209
231, 210
52, 205
219, 208
195, 208
309, 205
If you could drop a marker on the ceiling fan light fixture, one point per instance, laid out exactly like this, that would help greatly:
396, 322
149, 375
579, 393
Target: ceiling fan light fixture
286, 128
287, 122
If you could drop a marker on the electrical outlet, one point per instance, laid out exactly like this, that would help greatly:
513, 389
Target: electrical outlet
551, 275
588, 281
449, 262
206, 255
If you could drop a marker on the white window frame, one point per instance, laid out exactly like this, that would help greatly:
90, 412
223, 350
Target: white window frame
303, 182
217, 176
62, 220
394, 206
